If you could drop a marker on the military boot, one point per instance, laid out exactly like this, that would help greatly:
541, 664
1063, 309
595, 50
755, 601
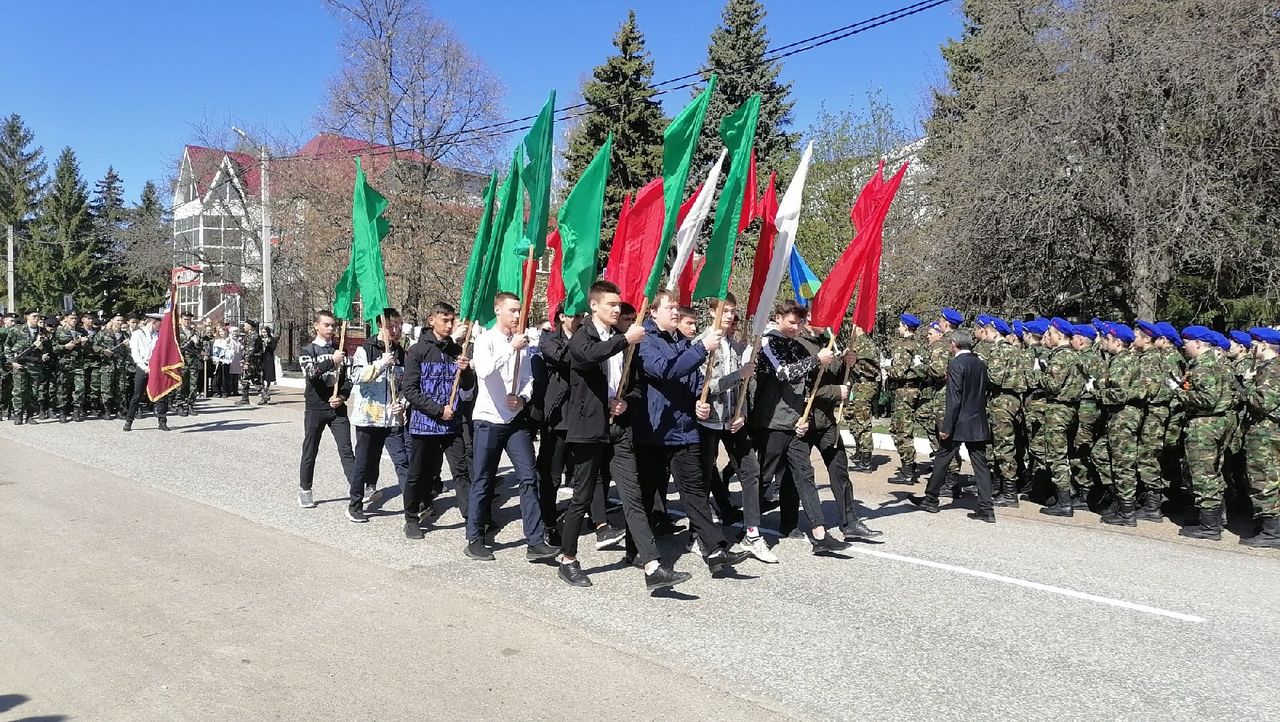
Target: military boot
857, 464
243, 401
1006, 495
1150, 509
1080, 499
265, 398
867, 464
1062, 505
1124, 515
1268, 538
64, 417
1210, 525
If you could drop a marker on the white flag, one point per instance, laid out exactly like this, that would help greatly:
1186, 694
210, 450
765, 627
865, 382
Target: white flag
687, 235
788, 220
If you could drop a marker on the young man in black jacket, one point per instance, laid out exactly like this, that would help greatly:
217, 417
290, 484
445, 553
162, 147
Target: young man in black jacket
598, 431
325, 366
435, 425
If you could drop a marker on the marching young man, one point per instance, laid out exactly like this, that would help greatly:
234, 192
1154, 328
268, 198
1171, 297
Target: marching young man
376, 409
598, 432
141, 346
500, 423
324, 367
435, 424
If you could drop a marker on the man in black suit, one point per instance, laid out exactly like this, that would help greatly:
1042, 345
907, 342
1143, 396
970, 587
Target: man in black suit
965, 422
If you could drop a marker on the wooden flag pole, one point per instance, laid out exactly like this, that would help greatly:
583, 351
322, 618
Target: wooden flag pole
711, 355
457, 375
631, 351
342, 346
383, 336
742, 385
525, 303
831, 344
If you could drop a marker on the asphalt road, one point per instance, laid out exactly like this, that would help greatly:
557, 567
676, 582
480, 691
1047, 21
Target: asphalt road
151, 576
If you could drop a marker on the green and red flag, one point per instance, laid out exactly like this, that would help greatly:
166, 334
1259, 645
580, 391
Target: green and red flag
738, 131
364, 274
579, 223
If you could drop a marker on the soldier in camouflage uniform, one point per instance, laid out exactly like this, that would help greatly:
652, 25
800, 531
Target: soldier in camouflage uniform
863, 377
7, 327
1119, 389
1240, 358
1170, 347
1262, 436
91, 399
905, 381
1033, 404
1090, 424
1058, 376
1156, 397
1208, 393
28, 350
1006, 382
114, 380
68, 366
252, 367
191, 345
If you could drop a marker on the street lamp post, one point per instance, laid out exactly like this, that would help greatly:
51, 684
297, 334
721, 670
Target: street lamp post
268, 305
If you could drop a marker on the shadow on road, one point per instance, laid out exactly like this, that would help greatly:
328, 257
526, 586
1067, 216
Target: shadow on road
10, 701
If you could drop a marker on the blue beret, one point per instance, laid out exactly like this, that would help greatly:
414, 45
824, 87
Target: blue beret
953, 316
1120, 331
1063, 325
1017, 328
1099, 324
1222, 341
1265, 335
933, 326
1202, 334
1148, 328
1241, 338
1038, 326
1167, 331
1084, 329
1002, 326
910, 320
982, 319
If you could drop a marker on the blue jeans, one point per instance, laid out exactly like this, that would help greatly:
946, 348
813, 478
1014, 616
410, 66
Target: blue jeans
489, 441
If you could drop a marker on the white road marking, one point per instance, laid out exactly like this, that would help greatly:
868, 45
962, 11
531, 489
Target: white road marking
1031, 585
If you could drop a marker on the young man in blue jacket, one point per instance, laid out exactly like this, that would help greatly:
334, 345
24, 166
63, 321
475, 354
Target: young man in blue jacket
666, 434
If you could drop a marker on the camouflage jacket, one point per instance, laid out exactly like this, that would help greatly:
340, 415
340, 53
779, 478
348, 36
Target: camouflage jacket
935, 364
63, 336
190, 342
1006, 369
1262, 393
1209, 388
1092, 366
1059, 376
1120, 383
106, 340
902, 355
867, 368
1153, 372
26, 344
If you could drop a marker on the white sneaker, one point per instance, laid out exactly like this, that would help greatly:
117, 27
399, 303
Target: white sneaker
305, 499
759, 549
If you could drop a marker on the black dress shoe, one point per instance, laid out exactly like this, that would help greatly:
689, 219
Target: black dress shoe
988, 515
828, 544
666, 527
412, 530
573, 575
478, 551
926, 502
858, 530
719, 559
540, 551
663, 577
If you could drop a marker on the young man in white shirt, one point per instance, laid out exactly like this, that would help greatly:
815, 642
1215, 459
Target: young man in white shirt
500, 423
141, 344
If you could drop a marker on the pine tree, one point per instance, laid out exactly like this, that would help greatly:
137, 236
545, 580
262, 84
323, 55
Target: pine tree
145, 255
736, 56
22, 170
621, 103
64, 227
964, 58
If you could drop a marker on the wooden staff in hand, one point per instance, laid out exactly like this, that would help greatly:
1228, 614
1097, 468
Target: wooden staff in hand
631, 352
341, 351
711, 355
825, 356
530, 269
466, 356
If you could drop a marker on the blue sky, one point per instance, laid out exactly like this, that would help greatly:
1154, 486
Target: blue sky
123, 83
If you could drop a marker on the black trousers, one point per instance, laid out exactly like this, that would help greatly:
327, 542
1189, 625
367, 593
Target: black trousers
784, 454
370, 441
458, 454
140, 397
684, 463
427, 456
835, 457
742, 457
314, 422
619, 455
947, 451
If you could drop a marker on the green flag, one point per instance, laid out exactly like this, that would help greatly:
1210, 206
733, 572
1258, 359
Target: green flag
580, 218
507, 222
678, 143
540, 150
738, 132
471, 285
364, 273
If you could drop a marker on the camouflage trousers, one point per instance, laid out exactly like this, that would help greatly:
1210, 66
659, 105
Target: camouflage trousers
1033, 421
1262, 451
857, 415
69, 385
112, 386
252, 375
1205, 440
1004, 412
26, 386
1118, 461
1055, 442
902, 422
1090, 425
1151, 447
192, 381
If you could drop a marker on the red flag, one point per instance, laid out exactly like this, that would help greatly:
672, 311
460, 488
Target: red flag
616, 266
864, 312
864, 208
164, 371
750, 205
636, 246
689, 279
555, 285
768, 211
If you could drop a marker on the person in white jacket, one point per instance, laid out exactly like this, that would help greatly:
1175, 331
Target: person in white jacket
377, 411
141, 345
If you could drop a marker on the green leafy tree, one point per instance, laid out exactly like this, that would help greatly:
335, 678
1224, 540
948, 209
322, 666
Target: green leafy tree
67, 257
143, 249
736, 55
621, 103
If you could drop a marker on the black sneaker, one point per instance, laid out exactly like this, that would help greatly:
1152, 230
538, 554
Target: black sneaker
608, 536
666, 527
412, 530
829, 544
540, 551
573, 575
663, 577
128, 425
356, 515
478, 551
719, 559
